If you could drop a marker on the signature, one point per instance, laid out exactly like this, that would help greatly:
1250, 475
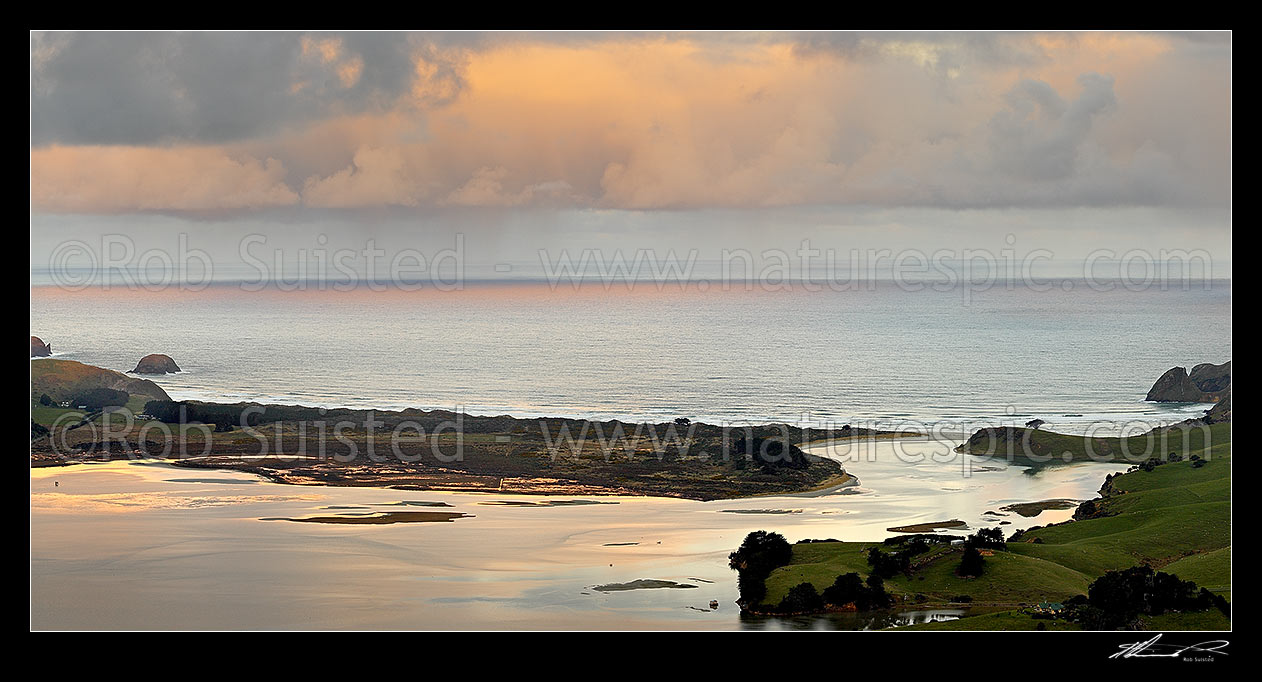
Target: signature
1152, 649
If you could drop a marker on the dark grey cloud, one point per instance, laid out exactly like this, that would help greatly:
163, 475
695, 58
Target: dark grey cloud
144, 88
1038, 137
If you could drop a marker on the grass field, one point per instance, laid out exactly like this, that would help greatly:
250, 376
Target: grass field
1176, 518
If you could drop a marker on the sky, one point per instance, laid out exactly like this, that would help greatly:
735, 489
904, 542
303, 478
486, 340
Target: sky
526, 141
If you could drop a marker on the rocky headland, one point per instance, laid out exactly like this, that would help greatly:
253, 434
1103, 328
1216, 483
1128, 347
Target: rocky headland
1206, 383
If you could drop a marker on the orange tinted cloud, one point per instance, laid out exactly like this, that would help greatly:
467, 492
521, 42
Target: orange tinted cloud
122, 179
645, 122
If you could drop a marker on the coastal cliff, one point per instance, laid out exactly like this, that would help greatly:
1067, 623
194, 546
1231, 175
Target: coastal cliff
39, 349
1206, 383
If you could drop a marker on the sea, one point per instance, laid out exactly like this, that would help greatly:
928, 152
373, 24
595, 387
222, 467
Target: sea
880, 355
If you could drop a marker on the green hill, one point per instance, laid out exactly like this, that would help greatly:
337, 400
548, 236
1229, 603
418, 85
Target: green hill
1158, 517
1175, 517
63, 379
1037, 447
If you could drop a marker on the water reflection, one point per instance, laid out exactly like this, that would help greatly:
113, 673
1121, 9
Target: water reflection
144, 545
872, 620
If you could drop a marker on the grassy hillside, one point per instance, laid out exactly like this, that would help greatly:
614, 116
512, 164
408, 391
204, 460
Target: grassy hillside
1176, 518
1037, 447
1009, 578
62, 379
1156, 516
1211, 570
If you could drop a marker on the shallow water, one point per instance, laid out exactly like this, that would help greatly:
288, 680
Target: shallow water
137, 545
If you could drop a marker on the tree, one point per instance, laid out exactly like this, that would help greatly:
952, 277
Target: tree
991, 538
972, 564
802, 598
1034, 424
755, 559
770, 454
876, 596
682, 421
751, 587
850, 589
846, 589
761, 550
887, 565
1117, 598
45, 400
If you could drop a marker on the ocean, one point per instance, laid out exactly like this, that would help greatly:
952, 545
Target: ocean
882, 356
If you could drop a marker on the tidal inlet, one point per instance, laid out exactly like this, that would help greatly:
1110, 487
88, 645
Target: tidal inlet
625, 330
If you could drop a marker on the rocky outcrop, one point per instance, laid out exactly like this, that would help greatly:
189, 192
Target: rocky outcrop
156, 364
1220, 412
39, 349
1175, 386
1206, 383
1212, 378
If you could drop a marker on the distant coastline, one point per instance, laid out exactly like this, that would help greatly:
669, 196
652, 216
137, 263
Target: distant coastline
430, 449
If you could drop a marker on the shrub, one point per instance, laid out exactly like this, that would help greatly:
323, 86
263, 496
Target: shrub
99, 398
185, 412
